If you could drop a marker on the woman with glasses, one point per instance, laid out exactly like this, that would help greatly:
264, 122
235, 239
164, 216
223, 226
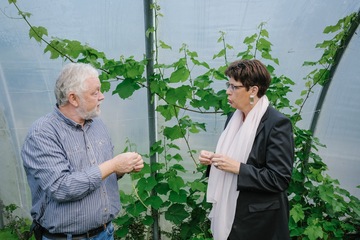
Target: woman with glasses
250, 171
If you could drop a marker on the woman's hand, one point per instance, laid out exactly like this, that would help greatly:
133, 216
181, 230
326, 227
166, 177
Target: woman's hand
205, 157
225, 163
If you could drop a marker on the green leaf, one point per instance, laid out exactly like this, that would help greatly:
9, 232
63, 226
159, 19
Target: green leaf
177, 157
297, 213
198, 63
136, 209
228, 46
148, 221
125, 198
156, 148
105, 86
251, 39
52, 48
172, 145
156, 166
158, 87
303, 92
154, 201
193, 127
314, 232
330, 226
126, 88
147, 184
122, 232
176, 213
331, 29
179, 75
122, 220
176, 183
307, 63
264, 33
25, 14
207, 99
178, 197
178, 95
37, 33
162, 188
164, 46
174, 132
142, 193
219, 73
202, 81
134, 69
299, 101
178, 167
149, 31
74, 48
220, 54
167, 111
266, 55
198, 186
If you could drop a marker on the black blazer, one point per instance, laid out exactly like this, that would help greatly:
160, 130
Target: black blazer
262, 210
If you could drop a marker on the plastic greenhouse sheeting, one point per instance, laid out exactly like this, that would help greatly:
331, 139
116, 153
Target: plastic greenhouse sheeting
27, 75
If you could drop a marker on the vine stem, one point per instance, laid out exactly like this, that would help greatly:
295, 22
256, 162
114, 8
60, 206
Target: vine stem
137, 194
309, 91
40, 37
187, 142
106, 71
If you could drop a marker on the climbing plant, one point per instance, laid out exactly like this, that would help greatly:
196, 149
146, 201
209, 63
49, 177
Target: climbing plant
320, 208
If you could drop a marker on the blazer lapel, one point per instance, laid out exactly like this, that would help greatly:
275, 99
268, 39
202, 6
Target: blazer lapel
262, 122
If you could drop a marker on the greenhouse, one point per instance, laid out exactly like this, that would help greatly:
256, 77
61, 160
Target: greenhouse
162, 71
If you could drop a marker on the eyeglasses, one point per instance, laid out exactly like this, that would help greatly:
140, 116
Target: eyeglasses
232, 86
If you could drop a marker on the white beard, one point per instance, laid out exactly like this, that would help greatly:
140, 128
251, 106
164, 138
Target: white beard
87, 115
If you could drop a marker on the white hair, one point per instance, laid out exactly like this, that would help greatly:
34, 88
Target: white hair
71, 79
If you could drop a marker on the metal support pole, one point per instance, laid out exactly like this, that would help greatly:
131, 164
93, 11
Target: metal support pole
149, 45
1, 214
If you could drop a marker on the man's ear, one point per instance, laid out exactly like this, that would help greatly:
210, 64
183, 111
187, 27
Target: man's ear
73, 99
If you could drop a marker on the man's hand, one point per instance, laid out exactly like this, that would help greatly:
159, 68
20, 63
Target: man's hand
128, 162
121, 164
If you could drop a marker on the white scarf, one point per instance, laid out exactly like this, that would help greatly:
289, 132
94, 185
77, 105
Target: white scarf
236, 142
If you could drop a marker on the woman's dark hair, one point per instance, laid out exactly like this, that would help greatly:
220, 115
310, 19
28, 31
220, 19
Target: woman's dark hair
250, 73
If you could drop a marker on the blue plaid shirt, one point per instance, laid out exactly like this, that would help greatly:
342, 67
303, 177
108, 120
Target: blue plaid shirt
61, 161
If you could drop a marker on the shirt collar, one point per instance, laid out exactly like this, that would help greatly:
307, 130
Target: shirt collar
68, 120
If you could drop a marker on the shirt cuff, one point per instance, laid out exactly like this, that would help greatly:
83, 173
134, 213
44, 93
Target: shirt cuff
94, 176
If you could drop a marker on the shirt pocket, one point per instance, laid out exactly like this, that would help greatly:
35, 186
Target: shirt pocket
103, 149
77, 157
264, 206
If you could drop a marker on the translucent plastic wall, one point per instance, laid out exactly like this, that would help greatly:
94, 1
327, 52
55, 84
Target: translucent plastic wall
295, 28
27, 75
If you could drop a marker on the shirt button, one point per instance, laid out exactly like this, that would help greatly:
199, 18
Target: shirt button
105, 209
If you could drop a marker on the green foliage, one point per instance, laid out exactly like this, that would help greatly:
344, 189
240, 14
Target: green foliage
16, 227
321, 75
320, 209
